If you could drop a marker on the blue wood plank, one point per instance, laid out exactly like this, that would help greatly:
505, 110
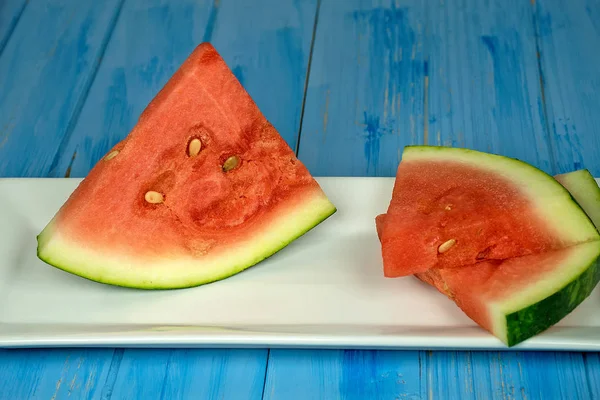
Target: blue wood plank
592, 369
186, 374
555, 375
365, 96
10, 12
431, 375
507, 375
53, 373
46, 69
568, 37
345, 374
483, 80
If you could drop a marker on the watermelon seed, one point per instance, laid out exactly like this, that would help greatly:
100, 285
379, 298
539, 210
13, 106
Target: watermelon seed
194, 147
231, 163
153, 197
448, 207
444, 247
111, 155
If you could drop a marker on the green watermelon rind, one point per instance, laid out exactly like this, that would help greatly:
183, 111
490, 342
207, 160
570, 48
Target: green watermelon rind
538, 317
521, 321
183, 273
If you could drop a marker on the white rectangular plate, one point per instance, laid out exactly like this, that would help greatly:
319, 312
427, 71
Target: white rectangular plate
324, 290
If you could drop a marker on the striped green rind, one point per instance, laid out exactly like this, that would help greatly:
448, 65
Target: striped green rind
531, 320
538, 317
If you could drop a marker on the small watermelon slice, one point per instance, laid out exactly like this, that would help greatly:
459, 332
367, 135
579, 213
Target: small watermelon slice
452, 207
518, 297
202, 188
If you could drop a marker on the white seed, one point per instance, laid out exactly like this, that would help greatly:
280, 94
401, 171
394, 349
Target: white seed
194, 147
111, 155
231, 163
153, 197
444, 247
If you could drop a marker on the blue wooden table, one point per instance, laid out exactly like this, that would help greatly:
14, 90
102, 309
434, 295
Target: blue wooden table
347, 83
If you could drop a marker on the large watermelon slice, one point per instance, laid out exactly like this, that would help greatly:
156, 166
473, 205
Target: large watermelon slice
517, 291
202, 188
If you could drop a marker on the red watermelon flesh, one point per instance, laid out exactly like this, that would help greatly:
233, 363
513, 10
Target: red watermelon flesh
487, 207
201, 188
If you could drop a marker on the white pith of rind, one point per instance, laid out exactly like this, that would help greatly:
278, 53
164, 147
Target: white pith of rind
549, 199
127, 270
584, 189
578, 260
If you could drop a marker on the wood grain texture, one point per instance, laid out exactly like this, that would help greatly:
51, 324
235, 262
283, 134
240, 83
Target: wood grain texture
484, 88
554, 375
345, 374
507, 375
592, 370
190, 374
568, 40
365, 96
46, 69
10, 12
51, 374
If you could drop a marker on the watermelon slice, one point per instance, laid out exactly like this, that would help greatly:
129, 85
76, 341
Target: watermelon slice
518, 298
452, 207
513, 297
202, 188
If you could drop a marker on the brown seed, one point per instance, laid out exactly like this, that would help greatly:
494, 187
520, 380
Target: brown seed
231, 163
153, 197
111, 155
194, 147
444, 247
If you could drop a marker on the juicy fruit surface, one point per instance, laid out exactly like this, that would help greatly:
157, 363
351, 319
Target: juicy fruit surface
515, 293
201, 173
484, 215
